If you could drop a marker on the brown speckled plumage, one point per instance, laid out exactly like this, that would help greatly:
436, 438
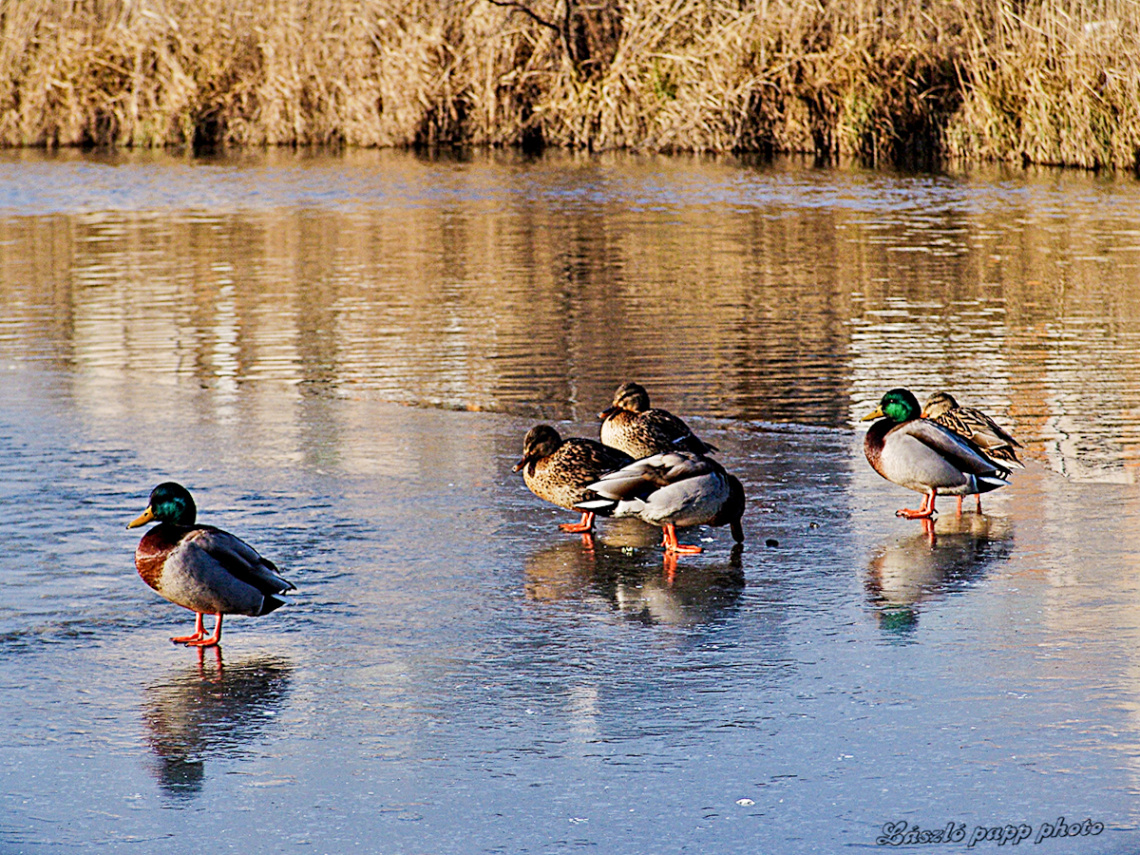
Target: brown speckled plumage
632, 426
559, 470
994, 441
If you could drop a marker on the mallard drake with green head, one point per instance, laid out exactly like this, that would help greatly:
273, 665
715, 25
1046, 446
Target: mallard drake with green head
632, 426
674, 489
561, 470
924, 456
976, 426
202, 568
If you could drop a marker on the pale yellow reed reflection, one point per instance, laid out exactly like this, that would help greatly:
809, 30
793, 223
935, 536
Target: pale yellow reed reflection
505, 291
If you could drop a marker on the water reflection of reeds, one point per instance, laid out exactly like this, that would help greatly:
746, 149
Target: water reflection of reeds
739, 293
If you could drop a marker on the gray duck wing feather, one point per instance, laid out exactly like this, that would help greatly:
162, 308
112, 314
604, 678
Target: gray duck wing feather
642, 477
241, 560
689, 501
953, 448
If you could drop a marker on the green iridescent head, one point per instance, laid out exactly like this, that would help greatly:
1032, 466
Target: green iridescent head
171, 503
898, 405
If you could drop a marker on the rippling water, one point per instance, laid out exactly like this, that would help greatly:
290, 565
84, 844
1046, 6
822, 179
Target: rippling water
776, 294
454, 674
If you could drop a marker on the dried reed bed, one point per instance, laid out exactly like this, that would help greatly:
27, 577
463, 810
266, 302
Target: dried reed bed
1054, 83
1022, 80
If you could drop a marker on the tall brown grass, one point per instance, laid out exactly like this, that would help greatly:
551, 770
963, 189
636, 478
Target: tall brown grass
1024, 80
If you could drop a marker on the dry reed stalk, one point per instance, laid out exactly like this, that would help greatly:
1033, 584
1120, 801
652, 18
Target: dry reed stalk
1058, 83
1053, 82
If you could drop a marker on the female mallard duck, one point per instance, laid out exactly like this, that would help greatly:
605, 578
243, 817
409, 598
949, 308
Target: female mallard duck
677, 488
560, 471
994, 442
632, 426
202, 568
976, 426
922, 455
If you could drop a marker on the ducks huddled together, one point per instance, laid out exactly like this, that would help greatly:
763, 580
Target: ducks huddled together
648, 464
938, 449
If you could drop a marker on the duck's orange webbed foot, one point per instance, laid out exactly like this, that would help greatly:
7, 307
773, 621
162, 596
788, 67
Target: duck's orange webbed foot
586, 524
212, 641
198, 634
669, 541
920, 514
199, 638
925, 512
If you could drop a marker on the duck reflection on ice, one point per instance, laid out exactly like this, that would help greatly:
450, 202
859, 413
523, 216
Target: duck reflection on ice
210, 710
949, 554
693, 595
620, 568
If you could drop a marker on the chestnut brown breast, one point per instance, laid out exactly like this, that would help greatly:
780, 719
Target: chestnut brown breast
154, 548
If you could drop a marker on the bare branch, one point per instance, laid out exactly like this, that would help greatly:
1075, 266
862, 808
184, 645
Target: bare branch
522, 7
